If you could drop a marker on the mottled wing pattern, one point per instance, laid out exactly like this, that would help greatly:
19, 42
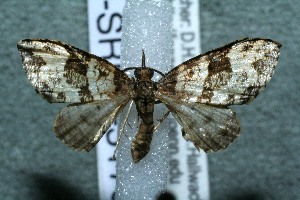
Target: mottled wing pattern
82, 126
210, 128
233, 74
63, 73
198, 91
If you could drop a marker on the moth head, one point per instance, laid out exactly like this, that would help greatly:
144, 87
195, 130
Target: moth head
143, 73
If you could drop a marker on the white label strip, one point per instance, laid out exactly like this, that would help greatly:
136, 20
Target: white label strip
104, 18
188, 170
188, 177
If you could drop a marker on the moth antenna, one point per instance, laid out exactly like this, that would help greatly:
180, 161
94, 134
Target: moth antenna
143, 59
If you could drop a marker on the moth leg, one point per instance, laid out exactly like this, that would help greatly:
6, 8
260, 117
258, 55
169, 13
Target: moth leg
122, 130
128, 124
161, 120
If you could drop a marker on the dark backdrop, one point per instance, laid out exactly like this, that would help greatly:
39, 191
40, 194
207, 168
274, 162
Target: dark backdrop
262, 164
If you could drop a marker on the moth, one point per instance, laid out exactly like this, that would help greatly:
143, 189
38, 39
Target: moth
197, 92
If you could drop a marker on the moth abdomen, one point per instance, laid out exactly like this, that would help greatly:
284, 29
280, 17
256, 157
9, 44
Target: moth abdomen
140, 145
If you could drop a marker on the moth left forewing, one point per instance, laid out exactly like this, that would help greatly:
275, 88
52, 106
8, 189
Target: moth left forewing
81, 126
233, 74
210, 128
63, 73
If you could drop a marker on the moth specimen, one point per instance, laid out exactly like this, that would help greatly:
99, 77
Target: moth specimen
197, 92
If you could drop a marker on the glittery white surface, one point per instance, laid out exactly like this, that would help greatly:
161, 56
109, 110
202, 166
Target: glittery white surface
146, 26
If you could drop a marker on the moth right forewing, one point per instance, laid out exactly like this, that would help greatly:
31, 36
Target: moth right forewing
63, 73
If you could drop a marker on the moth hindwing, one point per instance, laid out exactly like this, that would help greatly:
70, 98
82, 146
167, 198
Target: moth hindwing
197, 92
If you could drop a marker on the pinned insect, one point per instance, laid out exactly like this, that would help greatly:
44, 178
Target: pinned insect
197, 92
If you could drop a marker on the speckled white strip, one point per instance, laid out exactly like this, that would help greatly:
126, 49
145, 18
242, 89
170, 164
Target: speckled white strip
146, 26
